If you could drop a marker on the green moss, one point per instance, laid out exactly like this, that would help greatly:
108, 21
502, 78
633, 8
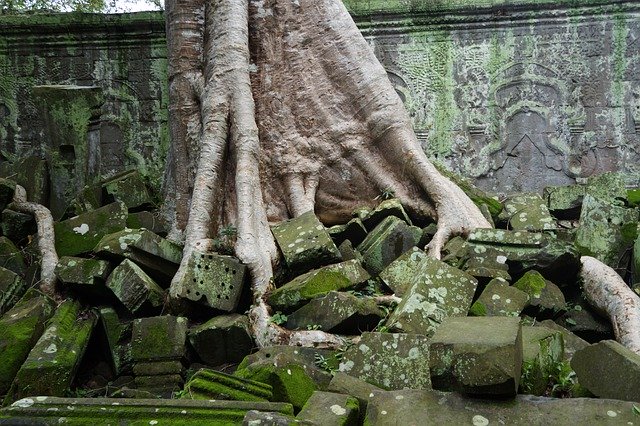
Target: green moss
210, 384
531, 283
478, 309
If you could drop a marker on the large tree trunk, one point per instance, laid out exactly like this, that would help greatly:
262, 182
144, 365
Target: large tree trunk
279, 107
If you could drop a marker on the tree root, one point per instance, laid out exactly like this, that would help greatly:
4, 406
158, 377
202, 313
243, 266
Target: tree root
611, 296
46, 238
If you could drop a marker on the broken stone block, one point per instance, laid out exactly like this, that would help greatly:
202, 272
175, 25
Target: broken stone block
134, 288
20, 329
232, 337
607, 231
80, 234
385, 209
213, 280
17, 226
585, 322
353, 231
154, 222
159, 338
349, 385
52, 363
527, 212
565, 202
7, 189
609, 370
10, 257
477, 355
329, 408
163, 385
348, 252
12, 287
337, 312
499, 299
391, 238
400, 275
87, 276
389, 360
305, 243
338, 277
542, 350
291, 371
157, 256
487, 266
270, 419
439, 291
557, 260
83, 411
129, 188
210, 384
607, 186
118, 339
571, 342
158, 368
545, 298
32, 174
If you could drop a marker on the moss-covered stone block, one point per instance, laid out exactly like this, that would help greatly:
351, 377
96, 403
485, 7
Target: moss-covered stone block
542, 351
328, 408
305, 243
211, 384
353, 231
358, 388
338, 277
129, 188
87, 276
157, 256
158, 368
571, 342
20, 329
12, 287
607, 230
162, 385
387, 208
153, 221
337, 312
545, 298
400, 274
10, 257
7, 189
17, 226
80, 234
391, 238
609, 370
389, 360
134, 288
607, 186
213, 280
117, 335
231, 334
527, 212
32, 173
159, 338
486, 266
499, 299
438, 291
565, 202
477, 355
52, 363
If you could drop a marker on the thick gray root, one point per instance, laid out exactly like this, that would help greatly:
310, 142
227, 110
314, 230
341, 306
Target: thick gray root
611, 296
46, 238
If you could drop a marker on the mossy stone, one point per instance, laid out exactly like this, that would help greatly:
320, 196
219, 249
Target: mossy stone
211, 384
159, 338
129, 188
400, 274
527, 212
84, 275
499, 299
12, 287
542, 351
17, 226
134, 288
386, 208
11, 257
545, 298
328, 408
231, 334
7, 189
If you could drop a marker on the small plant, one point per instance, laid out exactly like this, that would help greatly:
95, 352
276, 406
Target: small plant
386, 194
225, 241
314, 327
278, 318
564, 379
321, 362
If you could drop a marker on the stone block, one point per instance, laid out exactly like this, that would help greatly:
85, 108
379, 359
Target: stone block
17, 226
84, 275
527, 212
305, 243
213, 280
389, 360
129, 188
7, 189
477, 355
337, 277
117, 334
545, 298
32, 174
20, 329
231, 334
157, 256
262, 418
12, 287
330, 409
486, 266
439, 291
134, 288
159, 338
80, 234
358, 388
337, 312
353, 231
499, 299
10, 257
607, 186
153, 221
348, 252
565, 202
211, 384
542, 351
45, 410
158, 368
607, 230
571, 342
609, 370
400, 274
391, 238
52, 363
385, 209
161, 384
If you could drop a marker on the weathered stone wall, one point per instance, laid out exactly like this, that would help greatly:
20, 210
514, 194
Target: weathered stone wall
516, 94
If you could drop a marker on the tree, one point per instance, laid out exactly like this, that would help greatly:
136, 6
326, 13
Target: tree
277, 108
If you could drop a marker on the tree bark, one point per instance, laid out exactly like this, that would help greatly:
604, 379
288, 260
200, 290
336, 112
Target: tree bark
326, 132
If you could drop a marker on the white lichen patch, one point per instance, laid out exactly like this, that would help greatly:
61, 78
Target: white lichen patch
23, 403
612, 413
346, 366
338, 410
51, 349
82, 229
479, 420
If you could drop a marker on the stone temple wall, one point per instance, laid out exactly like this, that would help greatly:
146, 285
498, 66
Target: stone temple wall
514, 94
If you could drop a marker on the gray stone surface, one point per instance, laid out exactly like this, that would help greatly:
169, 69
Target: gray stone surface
10, 257
330, 409
12, 287
500, 299
527, 212
134, 288
231, 334
159, 338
